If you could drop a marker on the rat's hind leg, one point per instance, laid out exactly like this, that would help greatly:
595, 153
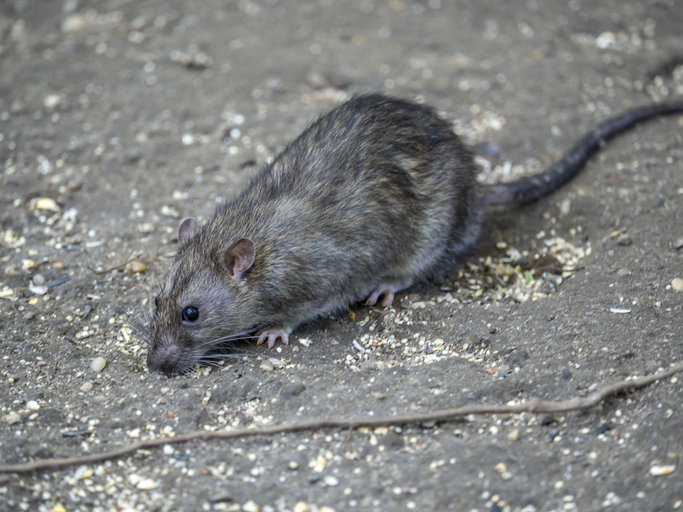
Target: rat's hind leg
386, 290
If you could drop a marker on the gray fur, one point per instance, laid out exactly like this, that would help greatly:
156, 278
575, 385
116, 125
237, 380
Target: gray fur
377, 192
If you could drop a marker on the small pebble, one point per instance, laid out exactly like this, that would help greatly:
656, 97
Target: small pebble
602, 429
169, 211
45, 203
677, 284
32, 405
98, 364
500, 467
565, 207
250, 506
277, 363
135, 267
331, 481
73, 23
221, 497
624, 240
51, 101
11, 418
86, 387
319, 464
145, 227
513, 435
678, 243
83, 473
147, 484
37, 289
662, 470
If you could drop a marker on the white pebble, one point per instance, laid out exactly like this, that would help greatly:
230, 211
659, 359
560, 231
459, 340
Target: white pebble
306, 342
331, 481
37, 290
11, 418
662, 470
250, 506
98, 364
51, 101
147, 484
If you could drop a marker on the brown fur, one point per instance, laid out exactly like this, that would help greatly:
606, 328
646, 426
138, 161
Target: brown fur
377, 191
374, 196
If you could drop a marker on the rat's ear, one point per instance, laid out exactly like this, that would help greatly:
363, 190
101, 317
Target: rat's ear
187, 229
239, 258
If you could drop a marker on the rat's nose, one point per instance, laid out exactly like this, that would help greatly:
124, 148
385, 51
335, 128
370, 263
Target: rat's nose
164, 358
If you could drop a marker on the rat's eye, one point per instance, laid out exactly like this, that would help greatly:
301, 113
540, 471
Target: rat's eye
157, 300
190, 314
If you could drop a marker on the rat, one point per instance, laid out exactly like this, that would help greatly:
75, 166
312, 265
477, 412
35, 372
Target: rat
375, 196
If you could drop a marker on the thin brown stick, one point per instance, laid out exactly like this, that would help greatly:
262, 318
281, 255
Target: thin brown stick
115, 267
535, 405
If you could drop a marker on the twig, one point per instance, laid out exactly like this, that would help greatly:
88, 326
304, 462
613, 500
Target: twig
535, 406
115, 267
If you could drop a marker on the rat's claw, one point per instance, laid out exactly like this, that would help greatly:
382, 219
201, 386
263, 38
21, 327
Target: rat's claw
387, 290
384, 291
271, 336
388, 297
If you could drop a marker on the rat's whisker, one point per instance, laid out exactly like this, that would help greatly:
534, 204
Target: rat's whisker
222, 341
142, 329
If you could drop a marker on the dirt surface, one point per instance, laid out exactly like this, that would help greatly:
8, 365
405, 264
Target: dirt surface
118, 118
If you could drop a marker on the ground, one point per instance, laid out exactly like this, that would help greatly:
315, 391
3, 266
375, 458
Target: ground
119, 118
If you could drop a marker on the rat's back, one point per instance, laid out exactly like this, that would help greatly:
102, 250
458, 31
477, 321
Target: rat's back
374, 192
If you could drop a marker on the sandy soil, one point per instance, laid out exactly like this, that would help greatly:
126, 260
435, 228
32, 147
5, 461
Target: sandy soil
118, 118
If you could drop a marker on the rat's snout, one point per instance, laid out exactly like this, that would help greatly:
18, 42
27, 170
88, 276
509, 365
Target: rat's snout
164, 357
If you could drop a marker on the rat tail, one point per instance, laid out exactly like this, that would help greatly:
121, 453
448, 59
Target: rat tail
534, 187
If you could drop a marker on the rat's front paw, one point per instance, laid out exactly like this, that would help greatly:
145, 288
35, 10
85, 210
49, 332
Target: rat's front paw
271, 336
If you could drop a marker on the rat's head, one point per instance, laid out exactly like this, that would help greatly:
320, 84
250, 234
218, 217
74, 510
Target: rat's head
204, 301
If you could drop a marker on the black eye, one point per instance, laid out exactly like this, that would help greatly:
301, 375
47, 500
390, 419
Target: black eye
190, 314
157, 300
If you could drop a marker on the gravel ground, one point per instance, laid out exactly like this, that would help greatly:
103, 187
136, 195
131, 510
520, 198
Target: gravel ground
118, 118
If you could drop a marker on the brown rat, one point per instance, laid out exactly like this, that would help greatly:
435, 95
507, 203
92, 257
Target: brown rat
374, 196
